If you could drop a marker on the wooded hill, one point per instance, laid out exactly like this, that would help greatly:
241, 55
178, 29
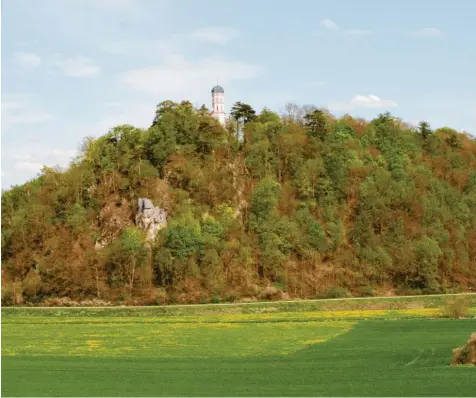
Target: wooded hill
308, 205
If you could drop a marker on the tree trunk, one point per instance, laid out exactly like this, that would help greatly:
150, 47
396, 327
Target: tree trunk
131, 284
98, 293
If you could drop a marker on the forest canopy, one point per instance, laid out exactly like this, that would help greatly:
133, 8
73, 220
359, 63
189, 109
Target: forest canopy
306, 205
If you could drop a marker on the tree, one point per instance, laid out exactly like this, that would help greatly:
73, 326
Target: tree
450, 135
316, 124
134, 252
383, 119
307, 203
293, 112
242, 112
267, 116
424, 129
263, 201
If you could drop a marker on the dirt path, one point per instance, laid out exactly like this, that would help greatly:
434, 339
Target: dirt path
423, 297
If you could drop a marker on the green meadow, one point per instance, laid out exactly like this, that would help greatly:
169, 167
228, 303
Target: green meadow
265, 350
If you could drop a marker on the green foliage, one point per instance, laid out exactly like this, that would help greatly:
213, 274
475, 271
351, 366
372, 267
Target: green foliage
77, 219
264, 199
131, 242
316, 124
456, 308
427, 253
307, 200
183, 238
450, 136
244, 112
424, 129
267, 116
366, 291
336, 292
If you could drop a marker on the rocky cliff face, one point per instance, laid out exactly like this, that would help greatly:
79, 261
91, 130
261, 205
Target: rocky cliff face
113, 218
150, 218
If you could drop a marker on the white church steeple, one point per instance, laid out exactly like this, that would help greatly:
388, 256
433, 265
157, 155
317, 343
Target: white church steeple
218, 104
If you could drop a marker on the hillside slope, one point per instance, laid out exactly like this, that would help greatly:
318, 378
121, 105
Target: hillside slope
305, 207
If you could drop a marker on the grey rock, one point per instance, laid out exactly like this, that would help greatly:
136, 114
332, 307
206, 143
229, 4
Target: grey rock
150, 218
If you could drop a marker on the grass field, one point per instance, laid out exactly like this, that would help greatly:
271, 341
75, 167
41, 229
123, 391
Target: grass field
265, 350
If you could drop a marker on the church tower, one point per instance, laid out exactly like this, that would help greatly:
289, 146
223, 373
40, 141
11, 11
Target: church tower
218, 103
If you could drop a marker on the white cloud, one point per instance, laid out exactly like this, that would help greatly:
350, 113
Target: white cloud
363, 101
175, 43
80, 66
19, 109
138, 113
329, 24
27, 61
30, 158
428, 32
28, 166
178, 79
152, 48
215, 35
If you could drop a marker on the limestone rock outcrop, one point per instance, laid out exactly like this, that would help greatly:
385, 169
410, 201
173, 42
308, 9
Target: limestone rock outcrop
150, 218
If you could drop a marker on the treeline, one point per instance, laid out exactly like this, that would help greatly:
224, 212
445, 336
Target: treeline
306, 205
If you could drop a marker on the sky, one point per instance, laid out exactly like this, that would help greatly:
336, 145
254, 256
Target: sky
76, 68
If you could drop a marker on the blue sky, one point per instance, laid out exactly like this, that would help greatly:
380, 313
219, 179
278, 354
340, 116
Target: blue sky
75, 68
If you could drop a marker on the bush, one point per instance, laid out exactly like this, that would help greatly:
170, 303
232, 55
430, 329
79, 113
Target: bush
337, 292
229, 298
456, 309
161, 296
12, 294
366, 291
7, 297
270, 293
215, 299
405, 290
59, 302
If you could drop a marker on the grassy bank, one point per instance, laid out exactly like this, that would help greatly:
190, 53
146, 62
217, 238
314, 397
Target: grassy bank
359, 304
288, 354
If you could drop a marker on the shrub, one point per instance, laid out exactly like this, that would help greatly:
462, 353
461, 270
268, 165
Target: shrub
404, 290
12, 294
215, 299
456, 309
270, 293
229, 298
366, 291
161, 298
7, 297
337, 292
